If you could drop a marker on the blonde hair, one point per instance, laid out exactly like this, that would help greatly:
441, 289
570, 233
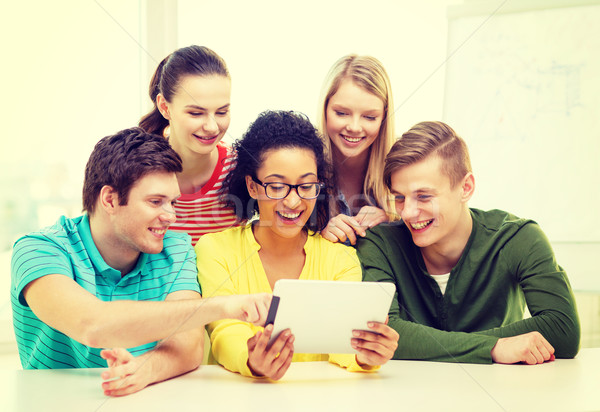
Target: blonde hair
366, 72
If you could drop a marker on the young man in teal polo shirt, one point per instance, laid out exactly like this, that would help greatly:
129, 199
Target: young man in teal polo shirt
463, 276
116, 277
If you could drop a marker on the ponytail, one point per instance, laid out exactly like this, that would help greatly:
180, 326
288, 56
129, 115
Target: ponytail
154, 122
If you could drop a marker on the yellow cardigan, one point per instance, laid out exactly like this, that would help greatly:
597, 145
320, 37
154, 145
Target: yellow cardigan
229, 264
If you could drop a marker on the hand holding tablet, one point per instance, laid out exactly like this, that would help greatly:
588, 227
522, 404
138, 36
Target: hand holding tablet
270, 360
322, 315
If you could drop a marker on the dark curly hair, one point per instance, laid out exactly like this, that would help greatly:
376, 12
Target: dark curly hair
276, 130
122, 159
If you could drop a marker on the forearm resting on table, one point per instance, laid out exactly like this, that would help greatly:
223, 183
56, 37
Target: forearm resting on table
420, 342
127, 374
177, 355
562, 331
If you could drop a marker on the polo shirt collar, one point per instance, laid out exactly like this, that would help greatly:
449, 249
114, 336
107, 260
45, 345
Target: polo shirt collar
100, 266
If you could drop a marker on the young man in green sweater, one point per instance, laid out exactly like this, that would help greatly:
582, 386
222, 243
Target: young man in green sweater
463, 276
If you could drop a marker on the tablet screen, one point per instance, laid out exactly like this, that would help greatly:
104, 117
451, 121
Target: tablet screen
322, 314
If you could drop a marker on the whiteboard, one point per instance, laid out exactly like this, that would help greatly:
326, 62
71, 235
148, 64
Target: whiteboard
523, 90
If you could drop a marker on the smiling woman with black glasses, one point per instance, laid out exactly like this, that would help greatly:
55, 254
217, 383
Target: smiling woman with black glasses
280, 188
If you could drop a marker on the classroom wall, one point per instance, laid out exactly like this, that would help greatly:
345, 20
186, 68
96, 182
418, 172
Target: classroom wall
70, 75
279, 53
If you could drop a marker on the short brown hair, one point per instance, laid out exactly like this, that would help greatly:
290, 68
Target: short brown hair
120, 160
425, 139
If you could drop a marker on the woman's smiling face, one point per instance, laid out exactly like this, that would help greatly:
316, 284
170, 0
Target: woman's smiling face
198, 113
288, 216
354, 117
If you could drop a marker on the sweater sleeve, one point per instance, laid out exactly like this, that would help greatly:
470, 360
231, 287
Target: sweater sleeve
228, 337
418, 341
547, 292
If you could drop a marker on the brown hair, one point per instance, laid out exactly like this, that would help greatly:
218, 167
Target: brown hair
119, 161
425, 139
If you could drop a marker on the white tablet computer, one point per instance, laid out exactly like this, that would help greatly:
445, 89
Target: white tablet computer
321, 314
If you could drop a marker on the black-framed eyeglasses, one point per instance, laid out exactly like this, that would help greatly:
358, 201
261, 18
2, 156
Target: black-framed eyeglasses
278, 190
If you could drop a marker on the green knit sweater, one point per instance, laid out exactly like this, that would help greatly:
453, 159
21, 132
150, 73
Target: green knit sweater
507, 263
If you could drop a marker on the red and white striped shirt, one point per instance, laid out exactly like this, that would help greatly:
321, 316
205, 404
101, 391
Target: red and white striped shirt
202, 212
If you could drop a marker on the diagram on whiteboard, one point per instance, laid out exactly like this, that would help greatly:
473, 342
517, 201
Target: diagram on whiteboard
523, 90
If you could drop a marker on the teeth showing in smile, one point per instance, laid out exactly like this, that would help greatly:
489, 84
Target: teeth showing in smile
352, 139
205, 137
158, 231
420, 225
289, 215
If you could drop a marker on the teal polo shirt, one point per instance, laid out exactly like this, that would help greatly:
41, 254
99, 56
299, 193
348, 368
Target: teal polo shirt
66, 248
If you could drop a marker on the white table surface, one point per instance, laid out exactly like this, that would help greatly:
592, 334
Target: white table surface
562, 385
